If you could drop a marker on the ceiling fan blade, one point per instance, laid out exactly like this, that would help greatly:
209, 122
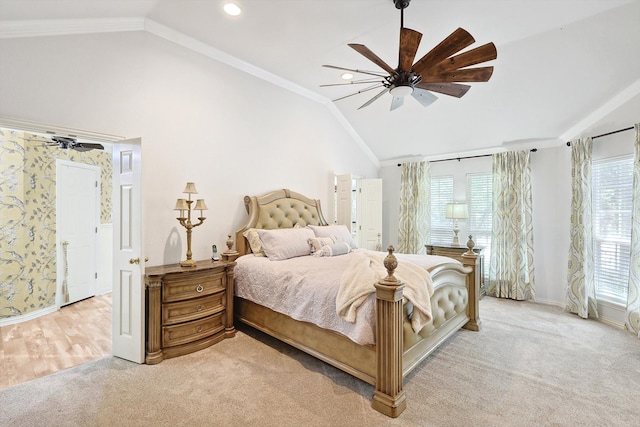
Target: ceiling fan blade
480, 74
409, 42
358, 92
425, 97
86, 146
397, 102
475, 56
451, 89
454, 42
353, 82
372, 73
385, 90
367, 53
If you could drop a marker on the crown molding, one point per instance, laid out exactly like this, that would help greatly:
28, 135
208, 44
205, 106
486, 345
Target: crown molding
48, 129
61, 27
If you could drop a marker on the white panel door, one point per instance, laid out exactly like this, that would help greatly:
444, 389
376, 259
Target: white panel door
369, 212
344, 200
77, 213
128, 260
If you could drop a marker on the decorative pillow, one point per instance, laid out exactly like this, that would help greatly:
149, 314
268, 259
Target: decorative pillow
254, 241
318, 242
338, 231
285, 243
334, 249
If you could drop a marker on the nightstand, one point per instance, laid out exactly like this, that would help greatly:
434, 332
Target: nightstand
456, 252
187, 308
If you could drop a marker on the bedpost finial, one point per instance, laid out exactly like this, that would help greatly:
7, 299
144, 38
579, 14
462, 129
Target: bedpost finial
390, 263
470, 244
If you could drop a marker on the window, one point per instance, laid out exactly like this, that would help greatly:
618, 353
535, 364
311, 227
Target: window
612, 188
479, 203
441, 194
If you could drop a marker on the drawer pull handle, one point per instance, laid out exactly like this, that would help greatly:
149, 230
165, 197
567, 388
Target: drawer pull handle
199, 307
200, 288
199, 329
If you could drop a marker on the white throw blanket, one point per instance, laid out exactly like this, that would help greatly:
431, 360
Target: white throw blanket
366, 269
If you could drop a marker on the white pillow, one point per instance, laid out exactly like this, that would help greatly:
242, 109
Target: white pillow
335, 249
318, 242
338, 231
285, 243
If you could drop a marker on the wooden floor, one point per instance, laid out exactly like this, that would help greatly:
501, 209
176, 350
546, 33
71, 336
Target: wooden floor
73, 335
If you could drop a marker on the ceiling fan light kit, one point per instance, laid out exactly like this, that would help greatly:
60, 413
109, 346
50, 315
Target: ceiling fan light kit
439, 70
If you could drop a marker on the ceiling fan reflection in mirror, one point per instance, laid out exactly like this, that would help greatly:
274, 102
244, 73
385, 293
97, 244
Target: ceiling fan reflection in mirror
439, 70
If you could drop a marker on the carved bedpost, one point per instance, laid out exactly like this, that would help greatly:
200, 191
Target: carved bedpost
389, 397
471, 259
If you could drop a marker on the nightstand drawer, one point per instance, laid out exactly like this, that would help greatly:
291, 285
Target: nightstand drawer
185, 311
194, 285
192, 331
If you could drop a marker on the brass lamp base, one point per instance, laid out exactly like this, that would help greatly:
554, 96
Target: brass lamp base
188, 263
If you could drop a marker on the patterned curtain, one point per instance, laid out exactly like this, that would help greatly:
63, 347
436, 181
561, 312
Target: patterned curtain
581, 290
415, 215
511, 273
633, 303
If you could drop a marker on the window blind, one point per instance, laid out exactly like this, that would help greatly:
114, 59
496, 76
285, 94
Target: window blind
441, 194
612, 181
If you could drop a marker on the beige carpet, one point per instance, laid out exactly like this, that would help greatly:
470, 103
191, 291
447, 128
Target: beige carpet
531, 365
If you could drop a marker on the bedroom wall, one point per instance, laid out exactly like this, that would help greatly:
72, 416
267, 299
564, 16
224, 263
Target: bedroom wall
551, 188
200, 120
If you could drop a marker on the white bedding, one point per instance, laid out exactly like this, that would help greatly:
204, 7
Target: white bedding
305, 288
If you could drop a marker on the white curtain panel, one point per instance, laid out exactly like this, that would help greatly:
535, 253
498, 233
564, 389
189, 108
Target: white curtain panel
415, 212
581, 290
633, 302
511, 273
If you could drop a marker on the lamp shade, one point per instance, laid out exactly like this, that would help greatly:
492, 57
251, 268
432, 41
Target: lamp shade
190, 188
457, 211
181, 205
200, 206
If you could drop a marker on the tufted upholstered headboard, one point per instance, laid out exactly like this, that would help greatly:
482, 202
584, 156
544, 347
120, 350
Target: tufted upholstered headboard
278, 209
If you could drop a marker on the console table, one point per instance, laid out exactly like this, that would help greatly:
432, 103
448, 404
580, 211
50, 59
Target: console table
187, 308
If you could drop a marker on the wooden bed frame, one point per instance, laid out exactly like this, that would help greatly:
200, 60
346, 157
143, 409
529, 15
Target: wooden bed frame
398, 348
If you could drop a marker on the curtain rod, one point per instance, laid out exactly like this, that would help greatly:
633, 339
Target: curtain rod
533, 150
606, 134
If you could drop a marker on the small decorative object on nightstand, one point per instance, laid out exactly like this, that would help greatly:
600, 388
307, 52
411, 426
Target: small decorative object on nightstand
188, 308
456, 252
230, 254
185, 205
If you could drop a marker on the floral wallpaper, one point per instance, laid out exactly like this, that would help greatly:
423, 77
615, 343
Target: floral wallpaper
28, 217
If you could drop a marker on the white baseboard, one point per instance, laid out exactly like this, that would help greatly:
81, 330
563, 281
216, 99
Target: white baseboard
29, 316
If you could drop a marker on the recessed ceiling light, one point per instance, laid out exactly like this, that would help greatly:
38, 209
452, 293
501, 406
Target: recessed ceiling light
346, 76
232, 9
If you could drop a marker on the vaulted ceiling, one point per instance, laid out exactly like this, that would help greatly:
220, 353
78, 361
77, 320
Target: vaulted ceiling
563, 66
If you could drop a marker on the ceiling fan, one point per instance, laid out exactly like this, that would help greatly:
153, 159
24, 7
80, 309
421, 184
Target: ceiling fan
440, 70
68, 142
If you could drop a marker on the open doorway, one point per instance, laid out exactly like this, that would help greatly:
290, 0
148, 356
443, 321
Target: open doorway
32, 181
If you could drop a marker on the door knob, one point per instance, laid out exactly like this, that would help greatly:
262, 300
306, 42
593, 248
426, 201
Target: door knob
134, 261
